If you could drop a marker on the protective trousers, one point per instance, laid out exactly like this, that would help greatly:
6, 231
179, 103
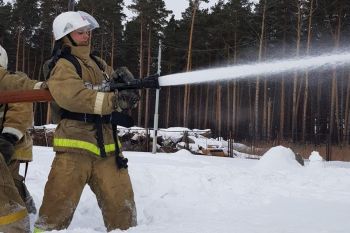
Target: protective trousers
66, 181
21, 187
13, 213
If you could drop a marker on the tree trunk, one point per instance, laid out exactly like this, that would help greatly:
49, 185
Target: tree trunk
112, 46
34, 69
168, 96
283, 93
346, 118
306, 90
218, 108
179, 106
282, 114
234, 86
251, 110
337, 120
265, 111
228, 107
318, 110
148, 73
205, 123
196, 106
234, 106
331, 113
168, 101
28, 61
139, 111
23, 56
257, 86
101, 48
189, 64
295, 81
17, 49
334, 109
269, 119
346, 132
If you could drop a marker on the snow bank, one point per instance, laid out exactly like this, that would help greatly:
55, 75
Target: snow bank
316, 160
179, 192
278, 158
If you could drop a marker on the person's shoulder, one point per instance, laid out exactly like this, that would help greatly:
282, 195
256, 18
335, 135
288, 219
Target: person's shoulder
3, 71
63, 63
6, 72
21, 74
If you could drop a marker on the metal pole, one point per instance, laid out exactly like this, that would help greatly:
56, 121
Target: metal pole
156, 115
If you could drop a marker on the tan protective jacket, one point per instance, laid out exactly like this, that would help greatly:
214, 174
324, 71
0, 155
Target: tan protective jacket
13, 213
70, 93
10, 81
16, 118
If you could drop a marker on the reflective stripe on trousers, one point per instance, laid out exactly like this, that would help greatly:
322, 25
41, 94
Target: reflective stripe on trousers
13, 217
37, 230
77, 144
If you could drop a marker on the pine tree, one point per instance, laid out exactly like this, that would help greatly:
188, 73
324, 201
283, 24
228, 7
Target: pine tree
5, 16
25, 17
109, 35
152, 19
172, 62
7, 33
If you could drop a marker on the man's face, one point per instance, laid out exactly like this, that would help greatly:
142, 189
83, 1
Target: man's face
81, 37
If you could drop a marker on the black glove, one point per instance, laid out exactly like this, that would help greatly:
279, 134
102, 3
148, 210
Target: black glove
7, 142
122, 75
127, 99
121, 162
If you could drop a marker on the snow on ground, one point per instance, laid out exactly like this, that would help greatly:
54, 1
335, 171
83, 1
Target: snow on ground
187, 193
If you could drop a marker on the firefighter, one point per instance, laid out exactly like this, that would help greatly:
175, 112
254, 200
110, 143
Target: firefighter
13, 212
85, 140
15, 120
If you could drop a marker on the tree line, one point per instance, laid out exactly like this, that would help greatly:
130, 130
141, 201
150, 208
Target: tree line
309, 106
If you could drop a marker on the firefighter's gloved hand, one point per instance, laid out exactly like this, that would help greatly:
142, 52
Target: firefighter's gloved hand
7, 142
122, 75
127, 99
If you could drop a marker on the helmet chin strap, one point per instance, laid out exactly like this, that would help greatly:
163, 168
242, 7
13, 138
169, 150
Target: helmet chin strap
71, 40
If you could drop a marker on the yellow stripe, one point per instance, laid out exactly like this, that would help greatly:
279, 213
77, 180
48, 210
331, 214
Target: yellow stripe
13, 217
77, 144
37, 230
98, 102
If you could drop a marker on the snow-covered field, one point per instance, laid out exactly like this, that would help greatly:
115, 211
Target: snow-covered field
185, 193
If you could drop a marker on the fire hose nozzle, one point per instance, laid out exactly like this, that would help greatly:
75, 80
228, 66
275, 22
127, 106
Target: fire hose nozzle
147, 82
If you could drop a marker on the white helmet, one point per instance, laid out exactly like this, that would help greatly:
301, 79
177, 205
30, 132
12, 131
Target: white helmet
69, 21
3, 57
